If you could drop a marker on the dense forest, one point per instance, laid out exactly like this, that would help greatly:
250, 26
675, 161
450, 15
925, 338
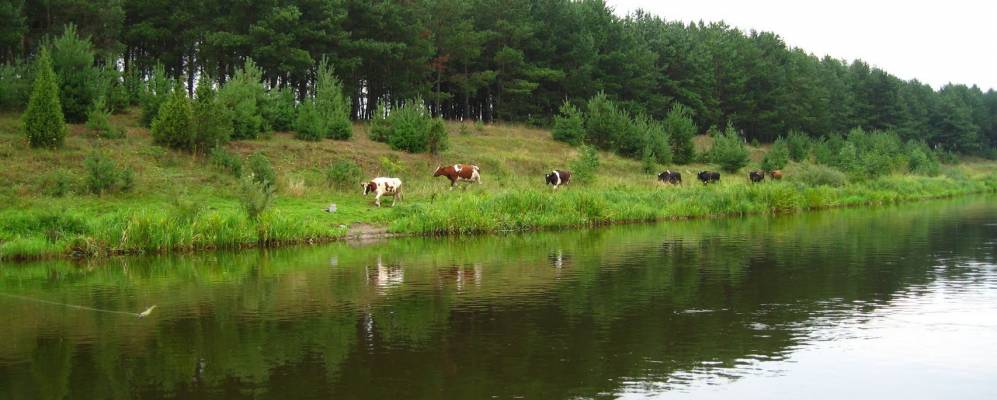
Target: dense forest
508, 60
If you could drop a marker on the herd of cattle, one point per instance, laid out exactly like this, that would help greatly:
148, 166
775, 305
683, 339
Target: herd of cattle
384, 186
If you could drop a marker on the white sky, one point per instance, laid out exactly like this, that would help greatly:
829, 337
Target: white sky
935, 42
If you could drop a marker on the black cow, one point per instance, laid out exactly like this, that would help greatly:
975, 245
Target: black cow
756, 176
707, 177
673, 177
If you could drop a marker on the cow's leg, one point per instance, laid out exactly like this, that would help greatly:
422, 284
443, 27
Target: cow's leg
377, 199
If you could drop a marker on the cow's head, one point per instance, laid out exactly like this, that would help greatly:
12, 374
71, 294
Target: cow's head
439, 171
368, 187
551, 178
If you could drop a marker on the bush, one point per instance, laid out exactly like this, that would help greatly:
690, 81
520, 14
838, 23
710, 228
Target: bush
226, 161
605, 124
43, 121
133, 85
921, 160
391, 165
410, 128
586, 165
654, 138
777, 157
255, 196
569, 126
279, 109
15, 84
343, 174
820, 175
98, 121
728, 150
156, 92
211, 121
58, 183
173, 126
111, 89
262, 170
309, 125
73, 63
103, 176
464, 130
798, 145
681, 129
242, 96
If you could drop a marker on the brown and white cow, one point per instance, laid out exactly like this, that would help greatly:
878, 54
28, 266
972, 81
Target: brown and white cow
382, 186
775, 175
459, 173
557, 178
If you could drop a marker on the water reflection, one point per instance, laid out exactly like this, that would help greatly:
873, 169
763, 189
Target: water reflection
683, 307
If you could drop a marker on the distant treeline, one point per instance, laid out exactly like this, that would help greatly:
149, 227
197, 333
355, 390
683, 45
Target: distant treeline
511, 60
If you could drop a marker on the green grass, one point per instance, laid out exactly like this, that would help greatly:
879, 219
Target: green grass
184, 202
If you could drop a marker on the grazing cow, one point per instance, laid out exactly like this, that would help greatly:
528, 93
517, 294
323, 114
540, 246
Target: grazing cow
558, 178
459, 173
673, 177
776, 175
707, 177
382, 186
756, 176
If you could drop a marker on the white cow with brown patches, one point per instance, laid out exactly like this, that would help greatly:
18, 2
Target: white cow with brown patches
383, 186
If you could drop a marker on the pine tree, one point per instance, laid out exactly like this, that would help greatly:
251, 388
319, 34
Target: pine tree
681, 129
43, 121
173, 126
331, 103
212, 123
569, 126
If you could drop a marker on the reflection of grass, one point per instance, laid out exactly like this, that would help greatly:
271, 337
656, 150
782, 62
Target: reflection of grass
513, 158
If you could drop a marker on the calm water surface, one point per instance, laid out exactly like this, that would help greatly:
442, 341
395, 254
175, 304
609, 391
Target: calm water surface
896, 302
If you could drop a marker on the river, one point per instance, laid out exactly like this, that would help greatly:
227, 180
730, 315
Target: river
890, 302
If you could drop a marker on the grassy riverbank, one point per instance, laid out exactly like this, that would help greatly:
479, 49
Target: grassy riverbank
185, 202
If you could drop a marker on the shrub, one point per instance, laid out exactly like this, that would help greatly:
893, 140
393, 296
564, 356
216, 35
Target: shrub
755, 143
681, 129
777, 157
464, 130
585, 166
111, 89
391, 165
255, 196
331, 102
921, 160
262, 170
279, 110
728, 150
820, 175
99, 123
73, 63
648, 165
479, 125
43, 121
343, 174
155, 94
410, 128
58, 183
211, 121
173, 126
605, 124
569, 126
654, 138
15, 84
103, 175
798, 145
133, 85
227, 161
309, 125
242, 96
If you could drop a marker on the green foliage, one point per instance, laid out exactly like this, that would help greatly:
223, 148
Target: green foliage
243, 96
921, 160
98, 121
569, 125
654, 138
58, 183
729, 150
156, 92
255, 196
73, 63
755, 142
647, 162
864, 155
343, 174
464, 130
681, 129
262, 170
279, 110
43, 121
410, 128
16, 80
605, 123
133, 86
332, 104
227, 161
310, 125
212, 124
174, 124
777, 157
104, 176
798, 145
111, 89
820, 175
585, 166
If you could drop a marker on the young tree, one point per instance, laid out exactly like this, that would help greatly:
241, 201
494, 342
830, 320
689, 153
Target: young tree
173, 126
211, 121
43, 121
681, 129
569, 126
777, 156
73, 63
156, 92
728, 150
332, 104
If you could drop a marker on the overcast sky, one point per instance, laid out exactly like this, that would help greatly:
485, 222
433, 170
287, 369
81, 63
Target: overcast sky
936, 42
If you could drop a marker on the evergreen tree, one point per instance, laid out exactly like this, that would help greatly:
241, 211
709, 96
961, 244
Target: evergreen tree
73, 63
173, 126
211, 121
331, 103
681, 129
569, 125
43, 121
